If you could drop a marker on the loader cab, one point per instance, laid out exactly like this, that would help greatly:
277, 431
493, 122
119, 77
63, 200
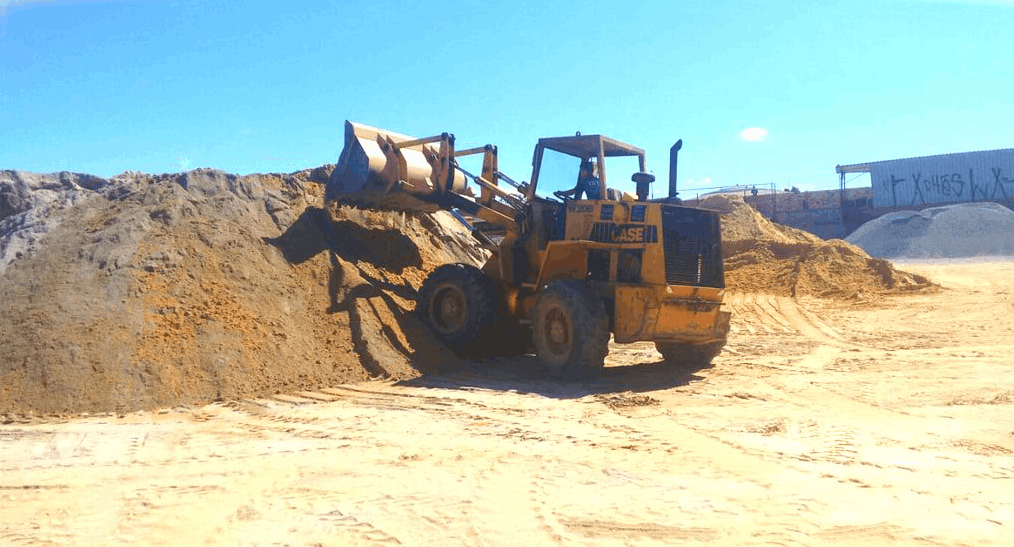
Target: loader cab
573, 169
558, 161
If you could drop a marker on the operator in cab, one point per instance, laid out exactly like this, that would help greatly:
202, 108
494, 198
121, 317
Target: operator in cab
587, 183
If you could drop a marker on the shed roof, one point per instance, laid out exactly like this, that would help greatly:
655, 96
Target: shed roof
865, 167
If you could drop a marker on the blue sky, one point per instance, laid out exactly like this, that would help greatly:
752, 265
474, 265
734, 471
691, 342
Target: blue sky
760, 92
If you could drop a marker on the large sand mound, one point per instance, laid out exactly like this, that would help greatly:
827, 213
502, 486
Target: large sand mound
761, 256
952, 231
146, 291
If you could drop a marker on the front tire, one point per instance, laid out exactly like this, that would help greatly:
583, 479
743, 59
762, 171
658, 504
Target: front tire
571, 330
689, 357
458, 303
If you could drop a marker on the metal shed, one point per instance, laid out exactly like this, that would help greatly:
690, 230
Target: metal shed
945, 178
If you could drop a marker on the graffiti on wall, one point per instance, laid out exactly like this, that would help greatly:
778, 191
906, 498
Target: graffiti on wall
916, 187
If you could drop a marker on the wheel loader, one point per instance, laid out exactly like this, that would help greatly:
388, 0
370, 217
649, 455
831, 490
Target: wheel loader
565, 272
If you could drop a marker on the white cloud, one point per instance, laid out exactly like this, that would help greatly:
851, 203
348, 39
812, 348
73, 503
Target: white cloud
753, 134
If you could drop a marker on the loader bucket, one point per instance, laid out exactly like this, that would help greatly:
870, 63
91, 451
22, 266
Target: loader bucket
374, 171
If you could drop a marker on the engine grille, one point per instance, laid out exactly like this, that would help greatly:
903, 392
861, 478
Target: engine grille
692, 247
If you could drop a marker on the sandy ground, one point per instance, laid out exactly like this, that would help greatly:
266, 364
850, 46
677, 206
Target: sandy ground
824, 423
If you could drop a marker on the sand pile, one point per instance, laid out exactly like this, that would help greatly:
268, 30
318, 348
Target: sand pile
952, 231
761, 256
144, 291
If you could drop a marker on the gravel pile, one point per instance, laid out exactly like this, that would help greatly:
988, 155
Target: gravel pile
952, 231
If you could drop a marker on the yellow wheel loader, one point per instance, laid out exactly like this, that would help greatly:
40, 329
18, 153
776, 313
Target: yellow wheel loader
565, 271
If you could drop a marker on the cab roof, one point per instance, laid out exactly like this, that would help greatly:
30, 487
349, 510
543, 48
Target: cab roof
587, 146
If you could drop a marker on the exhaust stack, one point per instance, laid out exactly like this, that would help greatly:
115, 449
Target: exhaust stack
672, 167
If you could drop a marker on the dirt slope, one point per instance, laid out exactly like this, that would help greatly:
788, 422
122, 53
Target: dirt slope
148, 291
178, 289
764, 257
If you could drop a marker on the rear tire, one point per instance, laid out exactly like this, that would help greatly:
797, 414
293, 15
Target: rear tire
571, 330
459, 304
689, 357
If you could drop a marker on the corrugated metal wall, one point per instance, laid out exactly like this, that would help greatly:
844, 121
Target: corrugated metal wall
948, 178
